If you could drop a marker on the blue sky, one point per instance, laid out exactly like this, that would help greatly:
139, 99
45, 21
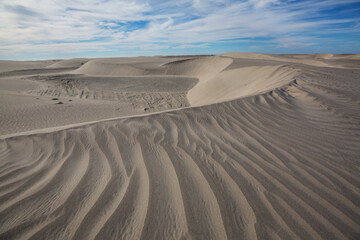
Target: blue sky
51, 29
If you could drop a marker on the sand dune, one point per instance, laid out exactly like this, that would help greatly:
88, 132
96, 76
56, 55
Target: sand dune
241, 82
69, 63
6, 66
266, 150
320, 60
122, 66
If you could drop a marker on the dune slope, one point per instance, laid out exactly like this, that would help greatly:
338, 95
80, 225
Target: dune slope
283, 164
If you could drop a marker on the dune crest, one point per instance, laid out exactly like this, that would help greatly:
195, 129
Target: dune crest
241, 82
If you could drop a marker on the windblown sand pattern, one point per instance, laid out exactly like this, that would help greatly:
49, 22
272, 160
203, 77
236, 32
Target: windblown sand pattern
275, 156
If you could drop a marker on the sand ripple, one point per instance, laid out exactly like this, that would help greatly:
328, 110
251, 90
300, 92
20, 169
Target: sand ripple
283, 164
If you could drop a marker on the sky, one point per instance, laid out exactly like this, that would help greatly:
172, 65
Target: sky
58, 29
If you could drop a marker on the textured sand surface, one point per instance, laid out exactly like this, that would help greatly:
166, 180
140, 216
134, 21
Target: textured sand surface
263, 148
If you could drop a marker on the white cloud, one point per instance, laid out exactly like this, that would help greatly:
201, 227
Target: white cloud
263, 3
294, 42
85, 25
185, 46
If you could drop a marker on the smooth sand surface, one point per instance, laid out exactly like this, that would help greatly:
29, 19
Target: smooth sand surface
234, 146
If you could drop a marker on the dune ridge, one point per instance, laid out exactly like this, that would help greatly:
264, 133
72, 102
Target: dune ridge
274, 157
216, 82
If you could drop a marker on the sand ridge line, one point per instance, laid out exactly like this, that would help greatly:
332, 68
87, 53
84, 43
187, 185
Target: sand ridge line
59, 128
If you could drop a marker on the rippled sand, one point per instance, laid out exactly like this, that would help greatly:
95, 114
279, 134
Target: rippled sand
235, 146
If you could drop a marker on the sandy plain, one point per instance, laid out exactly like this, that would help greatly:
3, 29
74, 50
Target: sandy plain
233, 146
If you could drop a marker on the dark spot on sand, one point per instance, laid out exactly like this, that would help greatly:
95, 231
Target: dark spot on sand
146, 109
70, 100
60, 103
54, 99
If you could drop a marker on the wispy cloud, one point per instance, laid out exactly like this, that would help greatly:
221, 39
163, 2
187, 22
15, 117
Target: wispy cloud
50, 26
263, 3
185, 46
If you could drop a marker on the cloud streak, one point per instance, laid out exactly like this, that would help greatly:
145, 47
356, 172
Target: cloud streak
29, 25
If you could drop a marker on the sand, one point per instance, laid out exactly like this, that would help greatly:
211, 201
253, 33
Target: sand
234, 146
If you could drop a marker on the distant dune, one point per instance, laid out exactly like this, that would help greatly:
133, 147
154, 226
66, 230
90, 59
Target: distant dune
234, 146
